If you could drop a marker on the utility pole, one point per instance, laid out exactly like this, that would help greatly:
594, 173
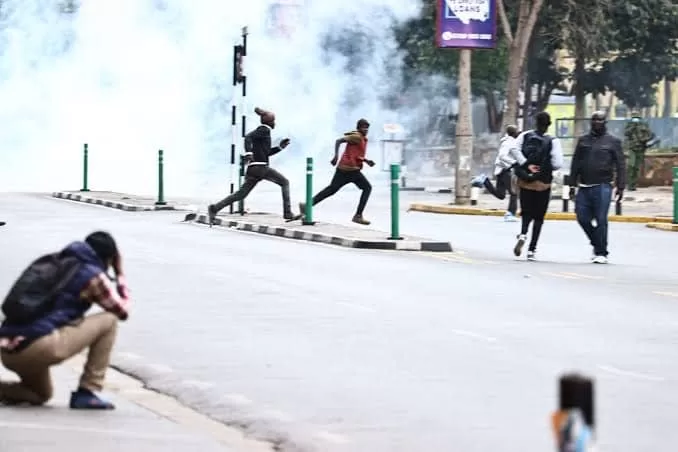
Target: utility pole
458, 27
464, 135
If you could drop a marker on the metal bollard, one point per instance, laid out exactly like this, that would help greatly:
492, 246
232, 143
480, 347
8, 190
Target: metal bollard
85, 168
161, 179
618, 207
395, 202
475, 194
308, 209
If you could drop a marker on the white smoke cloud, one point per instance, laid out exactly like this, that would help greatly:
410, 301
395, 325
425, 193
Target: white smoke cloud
130, 77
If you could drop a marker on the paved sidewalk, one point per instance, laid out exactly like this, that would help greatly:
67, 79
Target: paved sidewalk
650, 205
131, 427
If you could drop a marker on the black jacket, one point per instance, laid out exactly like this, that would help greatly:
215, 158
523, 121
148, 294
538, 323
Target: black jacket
596, 159
258, 144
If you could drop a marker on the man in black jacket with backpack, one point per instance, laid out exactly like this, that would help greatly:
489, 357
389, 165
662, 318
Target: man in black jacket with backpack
543, 155
598, 157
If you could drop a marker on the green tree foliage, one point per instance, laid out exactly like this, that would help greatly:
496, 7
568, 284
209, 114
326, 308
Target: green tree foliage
422, 58
646, 48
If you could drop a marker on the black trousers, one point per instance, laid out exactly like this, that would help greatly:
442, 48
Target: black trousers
533, 207
344, 177
503, 186
254, 175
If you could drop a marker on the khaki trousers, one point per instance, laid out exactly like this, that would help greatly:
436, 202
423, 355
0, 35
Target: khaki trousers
96, 332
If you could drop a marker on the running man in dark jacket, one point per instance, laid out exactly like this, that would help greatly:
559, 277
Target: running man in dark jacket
258, 150
598, 159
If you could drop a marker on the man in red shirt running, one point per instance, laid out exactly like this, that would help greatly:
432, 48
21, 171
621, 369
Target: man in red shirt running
349, 169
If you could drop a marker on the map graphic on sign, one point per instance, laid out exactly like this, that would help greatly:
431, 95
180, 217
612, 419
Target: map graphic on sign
467, 10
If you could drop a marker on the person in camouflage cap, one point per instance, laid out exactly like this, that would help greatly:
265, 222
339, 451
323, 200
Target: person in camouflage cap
637, 133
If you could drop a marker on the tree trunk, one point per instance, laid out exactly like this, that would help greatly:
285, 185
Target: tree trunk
493, 113
464, 135
668, 99
513, 83
580, 112
528, 13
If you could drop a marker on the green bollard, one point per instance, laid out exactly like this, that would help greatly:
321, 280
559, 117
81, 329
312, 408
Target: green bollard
308, 212
395, 202
85, 168
161, 179
675, 195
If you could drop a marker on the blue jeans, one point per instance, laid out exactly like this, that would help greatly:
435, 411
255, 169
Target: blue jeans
593, 203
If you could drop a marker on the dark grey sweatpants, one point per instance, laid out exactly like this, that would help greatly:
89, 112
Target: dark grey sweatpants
254, 175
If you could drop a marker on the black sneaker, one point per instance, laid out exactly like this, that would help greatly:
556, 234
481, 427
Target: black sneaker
518, 249
211, 214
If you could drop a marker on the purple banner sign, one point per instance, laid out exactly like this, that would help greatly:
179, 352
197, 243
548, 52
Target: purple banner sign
467, 24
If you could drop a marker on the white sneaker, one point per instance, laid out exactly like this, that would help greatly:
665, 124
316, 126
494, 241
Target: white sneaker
510, 218
531, 256
518, 249
600, 260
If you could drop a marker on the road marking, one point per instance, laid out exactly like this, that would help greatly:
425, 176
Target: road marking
666, 294
102, 431
630, 374
356, 306
278, 415
473, 335
238, 399
160, 368
560, 275
331, 437
582, 276
198, 384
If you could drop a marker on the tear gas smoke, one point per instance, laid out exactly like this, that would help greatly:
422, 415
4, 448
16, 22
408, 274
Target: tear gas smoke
130, 77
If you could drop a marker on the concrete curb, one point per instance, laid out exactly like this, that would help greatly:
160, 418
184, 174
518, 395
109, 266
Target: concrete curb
111, 204
427, 189
565, 216
663, 226
297, 234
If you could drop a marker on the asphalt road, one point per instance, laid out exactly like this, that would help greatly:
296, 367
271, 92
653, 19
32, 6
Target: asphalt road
351, 350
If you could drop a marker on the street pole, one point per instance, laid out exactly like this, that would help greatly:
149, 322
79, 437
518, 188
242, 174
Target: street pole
243, 108
161, 179
234, 126
464, 133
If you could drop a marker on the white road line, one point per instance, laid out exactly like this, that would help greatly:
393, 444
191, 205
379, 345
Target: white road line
473, 335
278, 415
356, 306
161, 368
331, 437
666, 294
630, 374
101, 431
198, 384
238, 399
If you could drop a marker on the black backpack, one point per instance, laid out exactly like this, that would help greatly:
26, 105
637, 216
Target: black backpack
34, 292
537, 150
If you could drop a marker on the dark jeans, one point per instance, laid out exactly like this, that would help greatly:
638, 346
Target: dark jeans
254, 175
503, 186
533, 208
344, 177
593, 203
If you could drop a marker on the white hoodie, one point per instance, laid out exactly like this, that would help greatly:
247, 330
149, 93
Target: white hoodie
508, 154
